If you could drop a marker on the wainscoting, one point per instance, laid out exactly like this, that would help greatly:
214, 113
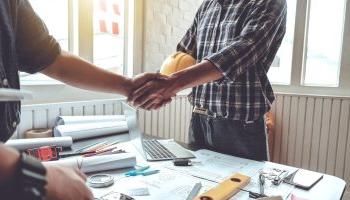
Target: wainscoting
311, 132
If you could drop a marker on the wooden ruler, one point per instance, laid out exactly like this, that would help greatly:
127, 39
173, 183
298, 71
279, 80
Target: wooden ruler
226, 189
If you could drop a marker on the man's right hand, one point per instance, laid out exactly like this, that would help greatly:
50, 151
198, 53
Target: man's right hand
66, 184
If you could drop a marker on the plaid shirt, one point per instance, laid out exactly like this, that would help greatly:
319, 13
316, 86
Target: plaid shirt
241, 38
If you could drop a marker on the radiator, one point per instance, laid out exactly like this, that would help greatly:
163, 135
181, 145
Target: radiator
311, 132
44, 115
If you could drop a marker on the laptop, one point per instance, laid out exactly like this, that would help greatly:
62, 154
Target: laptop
152, 149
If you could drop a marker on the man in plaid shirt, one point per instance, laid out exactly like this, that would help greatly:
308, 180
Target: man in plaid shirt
234, 43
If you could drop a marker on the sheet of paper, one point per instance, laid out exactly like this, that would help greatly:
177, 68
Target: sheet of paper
213, 166
217, 167
167, 184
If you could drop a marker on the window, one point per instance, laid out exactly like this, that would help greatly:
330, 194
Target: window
324, 42
55, 15
109, 34
280, 71
93, 29
312, 52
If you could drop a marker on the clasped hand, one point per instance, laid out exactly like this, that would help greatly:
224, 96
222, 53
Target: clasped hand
151, 91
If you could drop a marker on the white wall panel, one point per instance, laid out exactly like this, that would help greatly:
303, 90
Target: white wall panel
333, 139
285, 128
291, 141
342, 139
301, 121
324, 138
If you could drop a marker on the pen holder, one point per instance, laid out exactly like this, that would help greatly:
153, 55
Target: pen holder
226, 189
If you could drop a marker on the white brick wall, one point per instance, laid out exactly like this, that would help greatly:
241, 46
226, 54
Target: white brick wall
165, 23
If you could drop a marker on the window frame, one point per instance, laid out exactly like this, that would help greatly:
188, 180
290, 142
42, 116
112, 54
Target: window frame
296, 85
81, 37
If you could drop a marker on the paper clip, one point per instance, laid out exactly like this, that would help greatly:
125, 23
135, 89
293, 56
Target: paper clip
142, 171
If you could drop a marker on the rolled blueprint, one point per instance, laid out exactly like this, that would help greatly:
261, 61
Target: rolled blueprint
83, 131
23, 144
68, 120
97, 163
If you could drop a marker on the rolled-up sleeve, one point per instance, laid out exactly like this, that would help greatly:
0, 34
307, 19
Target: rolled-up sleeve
36, 48
188, 43
256, 38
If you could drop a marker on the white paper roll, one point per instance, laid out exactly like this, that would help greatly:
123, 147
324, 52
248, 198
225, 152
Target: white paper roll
83, 131
69, 120
23, 144
97, 163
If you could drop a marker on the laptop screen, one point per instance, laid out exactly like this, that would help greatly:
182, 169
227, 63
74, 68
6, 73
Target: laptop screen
134, 131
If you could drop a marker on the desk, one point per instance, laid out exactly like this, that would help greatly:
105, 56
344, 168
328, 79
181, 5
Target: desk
329, 188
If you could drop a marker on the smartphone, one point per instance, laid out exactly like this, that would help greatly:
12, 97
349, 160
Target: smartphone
303, 179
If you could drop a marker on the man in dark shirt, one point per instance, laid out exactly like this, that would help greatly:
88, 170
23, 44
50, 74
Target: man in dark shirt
234, 43
26, 45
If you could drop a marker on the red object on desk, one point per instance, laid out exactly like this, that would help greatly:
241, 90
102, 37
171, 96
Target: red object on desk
46, 153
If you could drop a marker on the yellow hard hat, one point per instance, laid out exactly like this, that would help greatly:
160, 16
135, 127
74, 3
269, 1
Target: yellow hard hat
177, 62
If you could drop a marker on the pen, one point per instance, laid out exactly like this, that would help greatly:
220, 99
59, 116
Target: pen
65, 155
88, 146
194, 192
135, 172
110, 152
96, 146
107, 148
147, 173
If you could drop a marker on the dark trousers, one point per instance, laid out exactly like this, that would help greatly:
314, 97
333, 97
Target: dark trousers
233, 137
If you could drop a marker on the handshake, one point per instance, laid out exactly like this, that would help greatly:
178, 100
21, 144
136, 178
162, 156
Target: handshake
150, 91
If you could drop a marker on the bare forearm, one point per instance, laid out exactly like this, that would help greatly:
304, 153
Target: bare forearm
9, 160
198, 74
77, 72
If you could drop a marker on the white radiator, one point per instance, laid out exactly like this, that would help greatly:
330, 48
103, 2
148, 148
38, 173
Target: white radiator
312, 132
44, 115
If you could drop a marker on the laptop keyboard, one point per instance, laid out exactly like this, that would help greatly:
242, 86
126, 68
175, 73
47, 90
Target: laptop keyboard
157, 150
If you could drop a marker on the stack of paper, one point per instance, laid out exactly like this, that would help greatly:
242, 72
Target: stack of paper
97, 163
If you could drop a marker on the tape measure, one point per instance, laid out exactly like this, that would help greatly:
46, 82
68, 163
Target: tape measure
46, 153
100, 180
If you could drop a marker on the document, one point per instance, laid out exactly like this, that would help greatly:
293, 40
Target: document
23, 144
97, 163
212, 166
167, 184
217, 167
89, 130
68, 120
